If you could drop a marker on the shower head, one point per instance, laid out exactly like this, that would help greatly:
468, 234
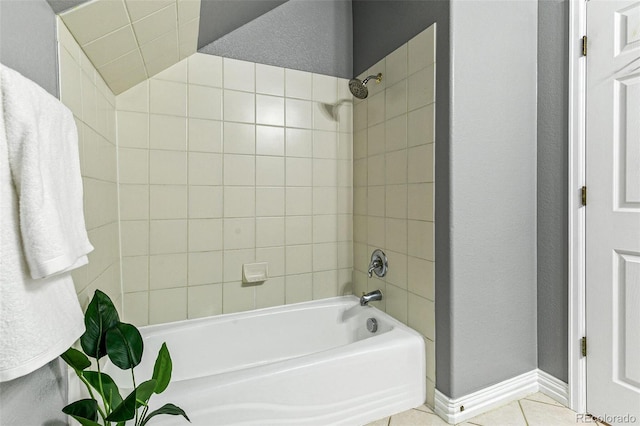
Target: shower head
359, 88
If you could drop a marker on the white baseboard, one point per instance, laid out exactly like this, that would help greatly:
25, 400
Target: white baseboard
458, 410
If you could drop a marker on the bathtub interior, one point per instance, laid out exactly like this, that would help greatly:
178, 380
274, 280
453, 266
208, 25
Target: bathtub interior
226, 343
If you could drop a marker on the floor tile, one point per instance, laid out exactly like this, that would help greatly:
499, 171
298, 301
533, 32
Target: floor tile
540, 397
381, 422
541, 414
425, 409
509, 414
415, 418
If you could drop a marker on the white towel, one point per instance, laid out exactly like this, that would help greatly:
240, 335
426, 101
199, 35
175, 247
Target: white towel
42, 229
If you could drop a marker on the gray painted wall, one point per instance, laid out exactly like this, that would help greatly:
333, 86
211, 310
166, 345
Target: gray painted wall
553, 74
307, 35
28, 41
492, 307
28, 45
220, 17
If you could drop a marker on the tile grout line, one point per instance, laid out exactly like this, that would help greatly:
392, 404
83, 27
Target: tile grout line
523, 414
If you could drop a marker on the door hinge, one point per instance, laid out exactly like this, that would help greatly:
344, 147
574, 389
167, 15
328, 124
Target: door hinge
584, 45
583, 195
583, 346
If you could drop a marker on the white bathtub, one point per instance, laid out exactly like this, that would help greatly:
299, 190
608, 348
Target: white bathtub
312, 363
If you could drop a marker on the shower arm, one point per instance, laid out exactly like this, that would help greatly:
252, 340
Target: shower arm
378, 78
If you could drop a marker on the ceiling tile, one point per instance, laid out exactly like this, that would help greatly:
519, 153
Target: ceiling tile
95, 19
110, 47
188, 10
165, 45
155, 25
161, 64
117, 69
138, 9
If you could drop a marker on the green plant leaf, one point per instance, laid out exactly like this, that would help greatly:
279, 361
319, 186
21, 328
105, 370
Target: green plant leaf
162, 369
84, 411
125, 411
76, 359
144, 392
100, 316
166, 409
124, 345
111, 392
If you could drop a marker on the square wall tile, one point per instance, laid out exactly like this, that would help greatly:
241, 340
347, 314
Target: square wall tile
239, 106
299, 171
325, 88
134, 202
299, 230
274, 256
205, 102
270, 140
168, 201
205, 168
420, 164
299, 113
239, 75
133, 165
420, 205
135, 237
270, 171
167, 305
299, 259
111, 46
167, 167
205, 267
396, 100
325, 144
396, 65
136, 308
239, 138
133, 130
135, 273
205, 202
376, 139
205, 235
269, 231
422, 50
188, 10
298, 84
298, 201
421, 241
239, 201
325, 200
176, 72
375, 109
204, 301
325, 172
421, 277
270, 293
396, 201
205, 135
135, 99
233, 261
168, 132
421, 88
325, 284
299, 143
168, 236
421, 125
325, 229
269, 201
166, 97
421, 316
139, 9
397, 276
205, 70
167, 271
237, 297
269, 110
396, 303
239, 233
239, 170
269, 80
299, 288
156, 24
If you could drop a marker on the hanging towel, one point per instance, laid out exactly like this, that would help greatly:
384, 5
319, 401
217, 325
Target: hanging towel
42, 228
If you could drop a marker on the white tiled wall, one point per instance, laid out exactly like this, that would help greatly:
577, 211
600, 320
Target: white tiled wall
93, 105
394, 187
225, 162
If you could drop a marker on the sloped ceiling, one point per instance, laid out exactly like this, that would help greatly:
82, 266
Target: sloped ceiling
129, 41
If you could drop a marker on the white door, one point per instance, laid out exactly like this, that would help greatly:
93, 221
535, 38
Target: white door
613, 210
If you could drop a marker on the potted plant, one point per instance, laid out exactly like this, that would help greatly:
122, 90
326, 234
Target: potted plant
106, 335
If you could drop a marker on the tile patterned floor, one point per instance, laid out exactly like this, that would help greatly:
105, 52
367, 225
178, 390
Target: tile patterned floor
534, 410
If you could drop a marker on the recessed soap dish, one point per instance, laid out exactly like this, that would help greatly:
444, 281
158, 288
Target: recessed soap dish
255, 272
